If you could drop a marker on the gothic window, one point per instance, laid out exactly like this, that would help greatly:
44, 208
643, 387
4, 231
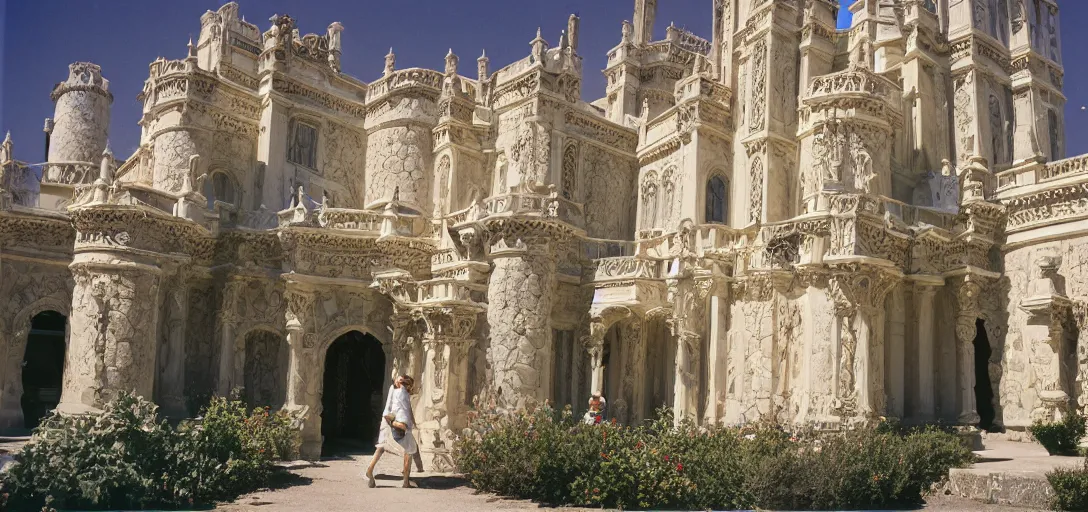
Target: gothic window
570, 166
302, 144
716, 200
220, 188
1055, 135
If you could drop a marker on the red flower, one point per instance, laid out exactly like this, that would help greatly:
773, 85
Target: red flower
604, 455
596, 490
638, 444
666, 458
679, 467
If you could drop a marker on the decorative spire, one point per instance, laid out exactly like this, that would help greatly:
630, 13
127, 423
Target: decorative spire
483, 66
191, 47
451, 63
539, 45
7, 138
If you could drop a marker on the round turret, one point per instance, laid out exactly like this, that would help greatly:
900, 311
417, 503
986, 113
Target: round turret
81, 120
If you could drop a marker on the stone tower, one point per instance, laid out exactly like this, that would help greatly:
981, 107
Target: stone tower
80, 128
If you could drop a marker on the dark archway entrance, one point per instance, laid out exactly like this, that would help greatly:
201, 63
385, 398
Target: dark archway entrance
352, 393
984, 393
43, 366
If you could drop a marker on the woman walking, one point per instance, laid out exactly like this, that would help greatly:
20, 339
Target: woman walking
395, 431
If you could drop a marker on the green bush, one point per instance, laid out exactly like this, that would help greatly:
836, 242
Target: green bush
125, 458
553, 459
1062, 437
1070, 488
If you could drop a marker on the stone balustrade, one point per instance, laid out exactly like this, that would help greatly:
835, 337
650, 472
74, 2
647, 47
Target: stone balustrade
70, 173
405, 78
1063, 168
854, 81
625, 268
372, 221
164, 67
595, 248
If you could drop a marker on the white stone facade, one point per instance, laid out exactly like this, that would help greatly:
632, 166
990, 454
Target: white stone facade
784, 219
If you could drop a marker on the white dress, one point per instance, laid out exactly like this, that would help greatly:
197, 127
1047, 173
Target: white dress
400, 405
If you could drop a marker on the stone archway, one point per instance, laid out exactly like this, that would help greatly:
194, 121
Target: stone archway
265, 361
353, 392
42, 369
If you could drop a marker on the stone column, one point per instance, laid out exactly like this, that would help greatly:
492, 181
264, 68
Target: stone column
859, 294
686, 387
717, 334
447, 345
635, 370
172, 369
226, 323
966, 289
113, 331
520, 295
895, 355
923, 297
304, 373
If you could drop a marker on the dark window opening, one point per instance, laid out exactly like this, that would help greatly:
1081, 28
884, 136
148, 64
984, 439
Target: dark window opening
984, 393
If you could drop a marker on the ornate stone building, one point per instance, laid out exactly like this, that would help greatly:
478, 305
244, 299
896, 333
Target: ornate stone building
784, 219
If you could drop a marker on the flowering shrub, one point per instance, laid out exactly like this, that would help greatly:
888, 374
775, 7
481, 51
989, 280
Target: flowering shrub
1070, 488
549, 457
1062, 437
125, 458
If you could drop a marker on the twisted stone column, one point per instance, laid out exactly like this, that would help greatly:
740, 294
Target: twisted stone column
114, 319
520, 296
966, 289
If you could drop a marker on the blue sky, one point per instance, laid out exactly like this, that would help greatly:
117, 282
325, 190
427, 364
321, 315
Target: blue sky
39, 38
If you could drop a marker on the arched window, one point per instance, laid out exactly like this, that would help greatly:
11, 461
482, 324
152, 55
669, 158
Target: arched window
219, 188
716, 200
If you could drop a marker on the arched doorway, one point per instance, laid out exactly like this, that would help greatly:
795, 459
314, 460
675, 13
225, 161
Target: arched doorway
984, 393
265, 374
43, 366
352, 393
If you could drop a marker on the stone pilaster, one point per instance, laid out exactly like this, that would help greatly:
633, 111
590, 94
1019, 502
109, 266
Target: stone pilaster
1044, 331
520, 296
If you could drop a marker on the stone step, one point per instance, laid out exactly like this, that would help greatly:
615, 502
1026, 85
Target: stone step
1009, 473
1028, 489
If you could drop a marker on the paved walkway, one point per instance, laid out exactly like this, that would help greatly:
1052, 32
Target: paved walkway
337, 485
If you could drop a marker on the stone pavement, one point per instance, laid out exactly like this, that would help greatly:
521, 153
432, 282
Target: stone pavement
1009, 472
337, 485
